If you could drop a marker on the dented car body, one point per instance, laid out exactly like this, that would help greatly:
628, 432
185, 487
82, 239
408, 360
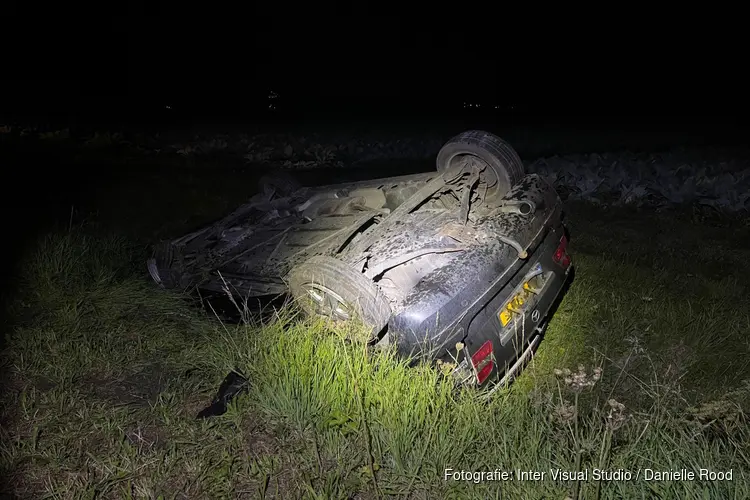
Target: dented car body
461, 266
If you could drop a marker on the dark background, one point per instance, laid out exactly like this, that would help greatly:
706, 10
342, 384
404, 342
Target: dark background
579, 82
128, 62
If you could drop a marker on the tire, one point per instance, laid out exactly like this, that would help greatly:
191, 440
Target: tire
326, 287
160, 266
505, 167
278, 185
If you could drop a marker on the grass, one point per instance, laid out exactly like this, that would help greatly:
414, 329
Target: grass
105, 374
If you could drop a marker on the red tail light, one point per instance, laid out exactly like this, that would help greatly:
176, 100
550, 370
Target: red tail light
560, 256
483, 362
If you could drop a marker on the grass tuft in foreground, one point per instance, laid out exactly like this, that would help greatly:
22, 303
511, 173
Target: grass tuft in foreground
107, 374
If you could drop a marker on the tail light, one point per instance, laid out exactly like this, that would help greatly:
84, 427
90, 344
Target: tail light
561, 256
483, 361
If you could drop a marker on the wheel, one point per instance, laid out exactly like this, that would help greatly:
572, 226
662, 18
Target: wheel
325, 286
503, 165
278, 185
160, 266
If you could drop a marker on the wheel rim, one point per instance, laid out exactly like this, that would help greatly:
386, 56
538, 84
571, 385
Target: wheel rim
328, 303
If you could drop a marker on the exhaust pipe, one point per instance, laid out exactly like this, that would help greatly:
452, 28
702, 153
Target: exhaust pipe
522, 207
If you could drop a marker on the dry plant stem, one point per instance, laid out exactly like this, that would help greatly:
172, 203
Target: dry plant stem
603, 458
577, 488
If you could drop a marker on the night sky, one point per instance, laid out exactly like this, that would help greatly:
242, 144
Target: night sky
365, 56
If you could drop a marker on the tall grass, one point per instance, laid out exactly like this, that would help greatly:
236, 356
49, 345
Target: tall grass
418, 425
325, 417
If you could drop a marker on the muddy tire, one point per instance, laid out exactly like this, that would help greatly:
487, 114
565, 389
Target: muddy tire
326, 287
278, 185
504, 166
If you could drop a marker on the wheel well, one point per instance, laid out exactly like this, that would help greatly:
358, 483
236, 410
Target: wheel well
373, 221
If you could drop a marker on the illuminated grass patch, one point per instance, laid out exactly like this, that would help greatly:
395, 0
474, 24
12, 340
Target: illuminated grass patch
105, 374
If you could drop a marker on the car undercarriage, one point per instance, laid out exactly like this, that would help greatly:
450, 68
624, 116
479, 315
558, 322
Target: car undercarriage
417, 258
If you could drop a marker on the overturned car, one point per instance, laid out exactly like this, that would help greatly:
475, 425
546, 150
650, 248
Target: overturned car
462, 266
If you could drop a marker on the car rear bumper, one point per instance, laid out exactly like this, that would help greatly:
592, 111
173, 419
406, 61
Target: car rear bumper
515, 341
